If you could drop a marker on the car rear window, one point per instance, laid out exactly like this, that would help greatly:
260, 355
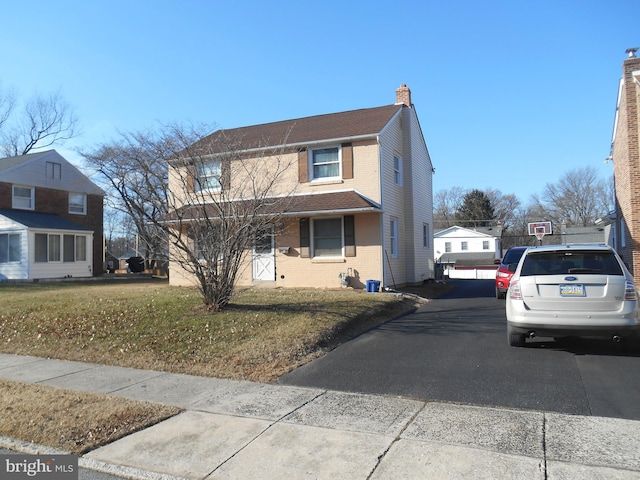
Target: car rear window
565, 262
513, 256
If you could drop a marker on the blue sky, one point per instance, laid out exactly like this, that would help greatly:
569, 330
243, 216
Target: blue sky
510, 95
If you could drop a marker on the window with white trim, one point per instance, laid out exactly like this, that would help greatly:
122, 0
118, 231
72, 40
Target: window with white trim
57, 248
10, 247
325, 163
81, 248
464, 246
55, 245
485, 244
23, 197
447, 247
78, 203
393, 227
327, 237
208, 176
397, 170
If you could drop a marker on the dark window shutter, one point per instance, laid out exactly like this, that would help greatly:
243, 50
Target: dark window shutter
347, 160
303, 166
305, 240
349, 236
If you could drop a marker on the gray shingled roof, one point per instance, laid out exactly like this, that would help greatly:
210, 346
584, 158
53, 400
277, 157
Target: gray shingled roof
47, 221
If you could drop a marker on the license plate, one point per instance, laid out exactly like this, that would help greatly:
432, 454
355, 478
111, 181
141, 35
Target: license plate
572, 290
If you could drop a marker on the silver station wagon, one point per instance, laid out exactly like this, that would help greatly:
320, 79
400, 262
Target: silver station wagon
571, 290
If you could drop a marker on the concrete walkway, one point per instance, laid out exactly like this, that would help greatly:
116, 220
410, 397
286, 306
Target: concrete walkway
244, 430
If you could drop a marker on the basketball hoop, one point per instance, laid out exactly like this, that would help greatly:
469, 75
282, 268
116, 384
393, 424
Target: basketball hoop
540, 229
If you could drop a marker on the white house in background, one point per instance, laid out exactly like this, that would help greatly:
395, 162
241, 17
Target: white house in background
467, 252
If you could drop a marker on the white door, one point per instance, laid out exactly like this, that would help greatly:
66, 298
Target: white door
264, 258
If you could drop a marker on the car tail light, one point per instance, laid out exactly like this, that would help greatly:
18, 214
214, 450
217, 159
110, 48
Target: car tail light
630, 291
514, 291
501, 274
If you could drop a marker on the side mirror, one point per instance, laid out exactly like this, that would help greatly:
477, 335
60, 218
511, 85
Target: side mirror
512, 267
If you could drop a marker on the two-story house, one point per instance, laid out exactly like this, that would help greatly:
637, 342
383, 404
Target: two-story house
362, 191
50, 219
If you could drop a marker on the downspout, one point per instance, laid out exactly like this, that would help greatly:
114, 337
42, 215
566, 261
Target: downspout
382, 216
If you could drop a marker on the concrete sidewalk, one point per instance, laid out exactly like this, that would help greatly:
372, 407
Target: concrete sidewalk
244, 430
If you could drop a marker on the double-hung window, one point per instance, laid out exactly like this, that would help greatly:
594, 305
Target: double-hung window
23, 197
327, 237
447, 247
325, 163
425, 235
397, 170
10, 248
464, 246
485, 244
393, 226
208, 175
78, 203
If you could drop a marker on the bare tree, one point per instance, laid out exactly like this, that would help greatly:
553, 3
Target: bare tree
42, 121
205, 196
445, 205
577, 199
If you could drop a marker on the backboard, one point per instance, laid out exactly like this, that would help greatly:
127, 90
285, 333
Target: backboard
540, 229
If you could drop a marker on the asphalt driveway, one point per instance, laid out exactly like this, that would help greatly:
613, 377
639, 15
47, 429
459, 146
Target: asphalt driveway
454, 349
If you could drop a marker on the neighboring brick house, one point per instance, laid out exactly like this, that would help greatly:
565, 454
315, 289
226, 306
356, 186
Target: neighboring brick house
50, 219
625, 152
362, 203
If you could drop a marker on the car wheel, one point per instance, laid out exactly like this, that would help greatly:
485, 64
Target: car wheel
515, 339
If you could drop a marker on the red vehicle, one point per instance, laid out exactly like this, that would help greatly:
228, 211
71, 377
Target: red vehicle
504, 274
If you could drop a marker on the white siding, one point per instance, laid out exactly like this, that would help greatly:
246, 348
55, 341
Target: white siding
60, 269
33, 173
393, 204
411, 203
15, 270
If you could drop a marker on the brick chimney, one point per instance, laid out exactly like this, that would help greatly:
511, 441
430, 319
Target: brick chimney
403, 95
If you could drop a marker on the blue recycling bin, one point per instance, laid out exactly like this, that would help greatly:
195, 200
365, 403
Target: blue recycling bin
373, 286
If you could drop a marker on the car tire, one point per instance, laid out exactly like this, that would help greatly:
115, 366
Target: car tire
515, 339
500, 296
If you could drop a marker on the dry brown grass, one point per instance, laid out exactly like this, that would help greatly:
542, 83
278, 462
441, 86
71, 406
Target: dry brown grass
260, 336
75, 422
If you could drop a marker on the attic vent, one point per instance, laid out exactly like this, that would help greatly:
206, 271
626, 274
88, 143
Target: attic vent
54, 170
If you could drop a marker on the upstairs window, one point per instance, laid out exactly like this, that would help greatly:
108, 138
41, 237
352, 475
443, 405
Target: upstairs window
78, 203
54, 170
464, 246
208, 175
447, 247
397, 170
325, 163
485, 244
23, 197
